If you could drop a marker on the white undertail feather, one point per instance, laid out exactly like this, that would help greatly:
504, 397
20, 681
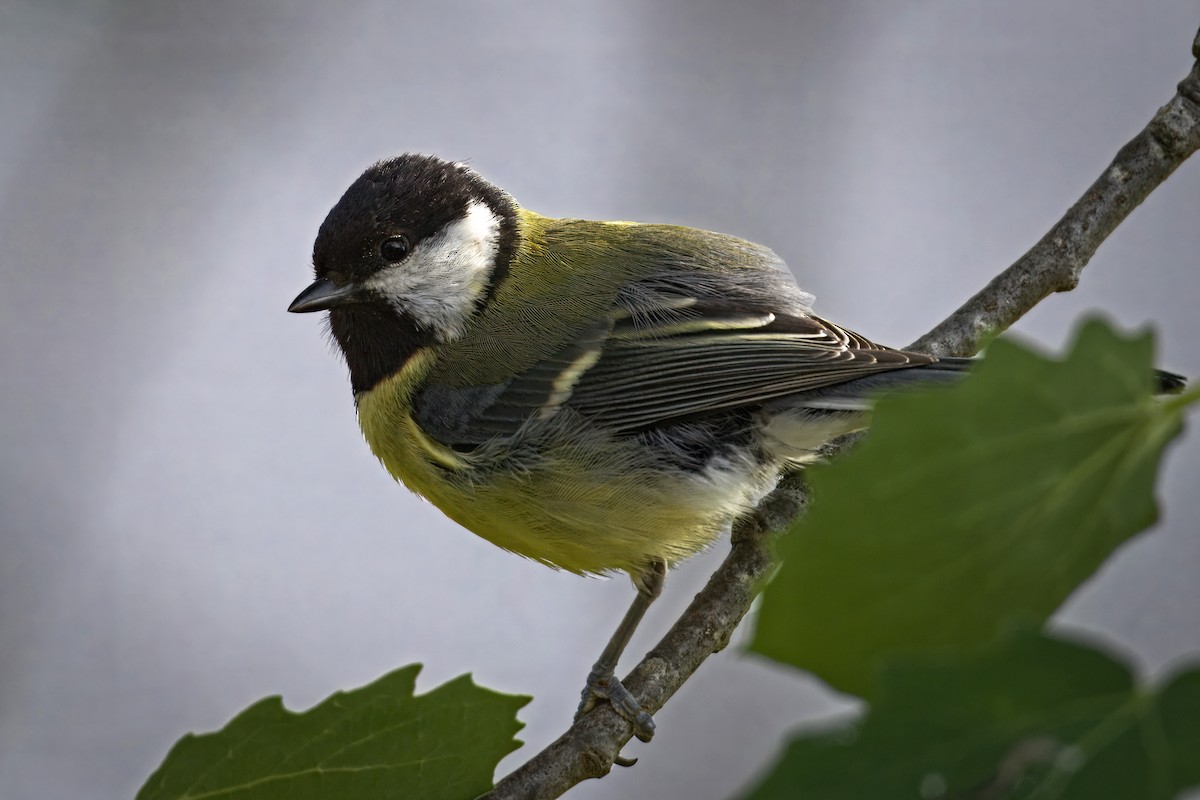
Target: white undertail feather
440, 282
797, 435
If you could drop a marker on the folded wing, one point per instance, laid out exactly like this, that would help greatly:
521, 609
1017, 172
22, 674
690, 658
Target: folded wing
639, 370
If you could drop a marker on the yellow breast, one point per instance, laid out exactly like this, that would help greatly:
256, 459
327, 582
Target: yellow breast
560, 491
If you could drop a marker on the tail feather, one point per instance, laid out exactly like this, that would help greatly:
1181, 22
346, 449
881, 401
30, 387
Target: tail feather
1169, 382
858, 394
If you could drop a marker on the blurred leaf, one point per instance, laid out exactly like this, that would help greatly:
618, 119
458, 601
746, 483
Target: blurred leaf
969, 506
1032, 717
375, 742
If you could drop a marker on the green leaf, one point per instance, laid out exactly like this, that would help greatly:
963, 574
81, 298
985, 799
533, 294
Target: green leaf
1032, 717
379, 741
967, 507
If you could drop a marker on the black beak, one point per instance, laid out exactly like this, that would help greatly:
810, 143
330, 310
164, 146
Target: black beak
322, 295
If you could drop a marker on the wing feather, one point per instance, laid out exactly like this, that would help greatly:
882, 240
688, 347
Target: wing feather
645, 383
695, 358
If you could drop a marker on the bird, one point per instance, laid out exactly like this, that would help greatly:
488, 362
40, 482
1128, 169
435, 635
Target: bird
601, 397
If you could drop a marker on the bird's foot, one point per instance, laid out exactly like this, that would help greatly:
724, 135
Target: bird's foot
602, 684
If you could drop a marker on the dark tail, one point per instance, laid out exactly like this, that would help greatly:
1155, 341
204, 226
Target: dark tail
856, 395
1169, 382
1165, 382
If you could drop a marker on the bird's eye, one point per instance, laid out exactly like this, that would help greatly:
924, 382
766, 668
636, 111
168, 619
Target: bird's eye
393, 249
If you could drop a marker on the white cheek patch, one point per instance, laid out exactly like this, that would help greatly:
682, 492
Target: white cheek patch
444, 276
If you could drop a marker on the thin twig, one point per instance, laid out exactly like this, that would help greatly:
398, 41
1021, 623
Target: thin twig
1054, 264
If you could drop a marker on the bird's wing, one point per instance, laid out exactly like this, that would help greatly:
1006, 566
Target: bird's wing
645, 367
721, 359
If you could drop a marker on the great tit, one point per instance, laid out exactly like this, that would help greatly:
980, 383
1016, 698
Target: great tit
597, 396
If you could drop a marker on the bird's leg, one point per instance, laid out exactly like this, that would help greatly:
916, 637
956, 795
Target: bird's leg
602, 683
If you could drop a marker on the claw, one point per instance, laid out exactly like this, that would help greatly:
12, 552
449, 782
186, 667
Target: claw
602, 684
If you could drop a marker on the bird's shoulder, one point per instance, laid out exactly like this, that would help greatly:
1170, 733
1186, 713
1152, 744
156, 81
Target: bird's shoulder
637, 249
567, 277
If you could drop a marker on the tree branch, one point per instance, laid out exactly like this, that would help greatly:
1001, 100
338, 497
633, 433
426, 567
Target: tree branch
590, 746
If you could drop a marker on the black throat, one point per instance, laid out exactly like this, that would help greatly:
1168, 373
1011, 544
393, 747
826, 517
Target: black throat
375, 341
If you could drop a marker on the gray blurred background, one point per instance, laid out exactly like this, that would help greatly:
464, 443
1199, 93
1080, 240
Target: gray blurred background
190, 520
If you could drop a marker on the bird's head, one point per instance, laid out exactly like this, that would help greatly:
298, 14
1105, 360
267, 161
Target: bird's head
406, 258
